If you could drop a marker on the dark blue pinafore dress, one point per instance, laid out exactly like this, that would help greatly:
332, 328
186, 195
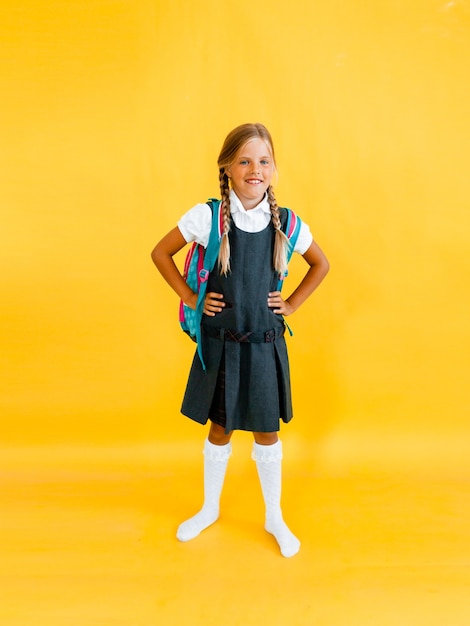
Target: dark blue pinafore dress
247, 384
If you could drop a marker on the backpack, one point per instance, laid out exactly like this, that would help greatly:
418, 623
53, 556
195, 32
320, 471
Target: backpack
200, 262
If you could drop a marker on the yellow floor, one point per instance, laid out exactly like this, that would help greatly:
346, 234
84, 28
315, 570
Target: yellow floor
88, 539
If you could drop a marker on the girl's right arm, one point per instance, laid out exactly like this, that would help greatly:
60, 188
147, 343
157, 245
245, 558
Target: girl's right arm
162, 256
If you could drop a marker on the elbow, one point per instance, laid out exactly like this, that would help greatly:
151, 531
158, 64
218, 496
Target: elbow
323, 266
155, 255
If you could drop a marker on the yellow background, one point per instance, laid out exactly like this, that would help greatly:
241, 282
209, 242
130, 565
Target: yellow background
112, 116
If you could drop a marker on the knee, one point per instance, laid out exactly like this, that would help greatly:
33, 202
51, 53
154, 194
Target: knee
265, 439
218, 436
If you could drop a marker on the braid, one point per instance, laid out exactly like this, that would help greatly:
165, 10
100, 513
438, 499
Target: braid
224, 251
281, 241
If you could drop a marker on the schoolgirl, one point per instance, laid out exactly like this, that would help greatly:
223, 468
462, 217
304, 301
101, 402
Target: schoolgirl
247, 384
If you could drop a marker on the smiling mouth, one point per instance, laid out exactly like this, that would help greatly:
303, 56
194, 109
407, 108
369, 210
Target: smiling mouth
254, 181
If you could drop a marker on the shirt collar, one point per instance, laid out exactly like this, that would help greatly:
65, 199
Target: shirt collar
237, 207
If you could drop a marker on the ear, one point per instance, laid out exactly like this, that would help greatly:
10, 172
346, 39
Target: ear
227, 172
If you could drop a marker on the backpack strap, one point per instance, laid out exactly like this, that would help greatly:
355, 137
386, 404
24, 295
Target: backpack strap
212, 250
210, 257
292, 230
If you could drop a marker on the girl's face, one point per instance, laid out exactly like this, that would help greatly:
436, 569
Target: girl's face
251, 172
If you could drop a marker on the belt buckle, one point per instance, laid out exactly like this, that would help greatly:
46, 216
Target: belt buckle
270, 336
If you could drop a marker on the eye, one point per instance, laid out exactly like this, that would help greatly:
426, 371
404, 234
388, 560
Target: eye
243, 162
264, 162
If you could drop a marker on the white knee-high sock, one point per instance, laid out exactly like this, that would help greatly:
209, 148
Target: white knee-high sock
215, 466
268, 462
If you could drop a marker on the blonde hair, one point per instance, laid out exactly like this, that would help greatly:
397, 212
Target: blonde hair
233, 143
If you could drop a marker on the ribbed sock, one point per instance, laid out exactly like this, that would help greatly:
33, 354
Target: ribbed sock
215, 466
268, 462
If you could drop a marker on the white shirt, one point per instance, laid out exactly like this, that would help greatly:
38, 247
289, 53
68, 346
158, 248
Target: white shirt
195, 225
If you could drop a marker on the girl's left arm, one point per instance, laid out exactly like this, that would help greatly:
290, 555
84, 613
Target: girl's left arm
317, 271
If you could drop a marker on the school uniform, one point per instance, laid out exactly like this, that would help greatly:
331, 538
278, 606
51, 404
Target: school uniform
246, 385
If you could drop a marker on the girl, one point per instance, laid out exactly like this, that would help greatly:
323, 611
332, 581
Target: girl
246, 385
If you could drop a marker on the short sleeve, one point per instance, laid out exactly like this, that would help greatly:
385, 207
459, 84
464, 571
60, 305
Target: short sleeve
195, 224
304, 240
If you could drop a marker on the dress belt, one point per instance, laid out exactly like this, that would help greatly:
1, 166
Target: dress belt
245, 336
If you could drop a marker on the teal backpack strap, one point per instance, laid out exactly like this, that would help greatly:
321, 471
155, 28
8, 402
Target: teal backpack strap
210, 257
292, 231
